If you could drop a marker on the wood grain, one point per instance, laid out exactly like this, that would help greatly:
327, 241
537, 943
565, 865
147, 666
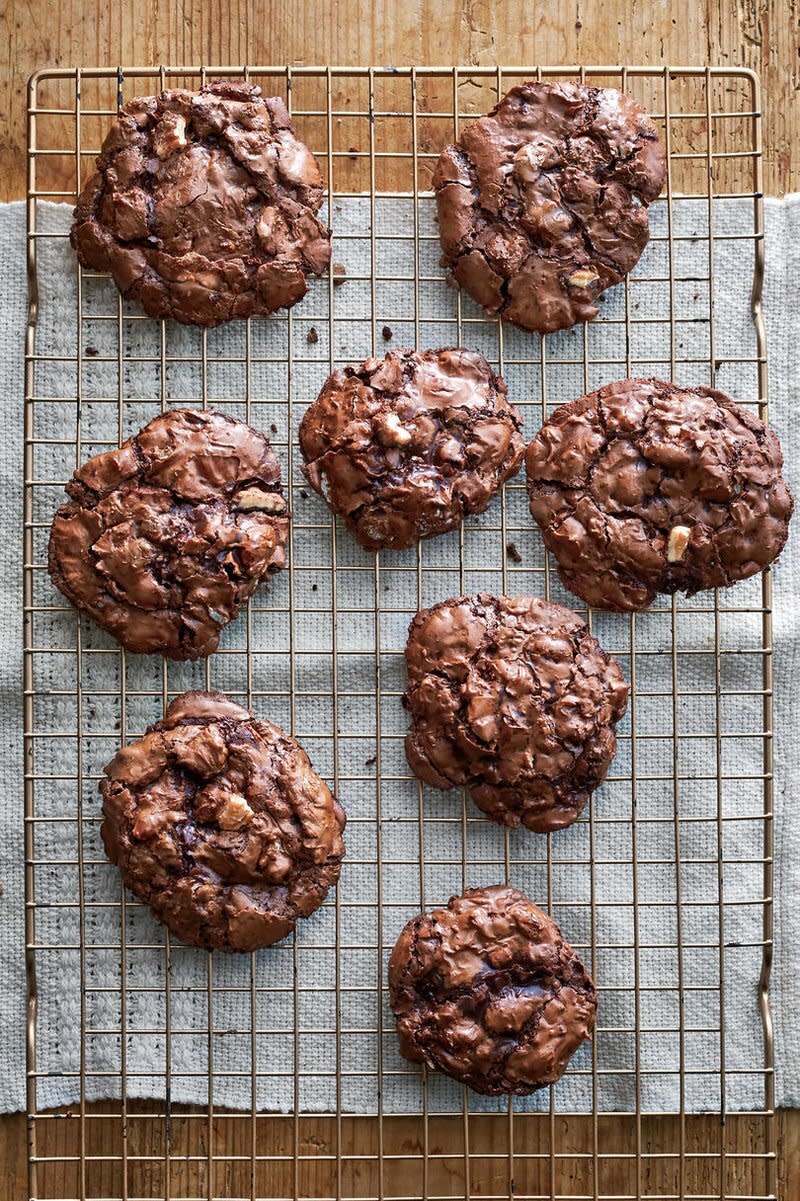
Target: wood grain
742, 1174
760, 34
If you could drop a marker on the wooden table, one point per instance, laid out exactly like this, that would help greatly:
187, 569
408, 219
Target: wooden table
761, 34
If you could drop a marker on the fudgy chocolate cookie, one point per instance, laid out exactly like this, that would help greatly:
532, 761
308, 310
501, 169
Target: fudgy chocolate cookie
165, 539
515, 700
204, 205
407, 446
542, 203
219, 823
488, 991
643, 487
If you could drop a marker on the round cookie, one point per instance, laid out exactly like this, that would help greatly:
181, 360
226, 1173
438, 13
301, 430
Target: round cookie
542, 203
488, 991
219, 823
643, 487
407, 446
164, 540
515, 700
204, 205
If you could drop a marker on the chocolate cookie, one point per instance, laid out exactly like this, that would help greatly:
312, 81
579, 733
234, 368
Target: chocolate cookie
219, 823
488, 992
543, 202
515, 700
407, 446
644, 487
164, 539
204, 205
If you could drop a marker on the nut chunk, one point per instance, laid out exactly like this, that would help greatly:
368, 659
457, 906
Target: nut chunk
515, 700
488, 991
643, 487
407, 446
219, 823
204, 205
164, 540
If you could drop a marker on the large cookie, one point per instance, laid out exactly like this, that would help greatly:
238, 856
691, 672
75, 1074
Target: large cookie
219, 823
488, 991
643, 487
407, 446
542, 203
164, 540
516, 701
204, 205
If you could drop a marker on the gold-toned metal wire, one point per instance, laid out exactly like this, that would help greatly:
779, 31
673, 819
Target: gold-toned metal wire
332, 96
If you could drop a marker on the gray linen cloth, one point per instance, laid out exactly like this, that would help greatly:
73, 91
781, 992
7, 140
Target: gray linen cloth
295, 984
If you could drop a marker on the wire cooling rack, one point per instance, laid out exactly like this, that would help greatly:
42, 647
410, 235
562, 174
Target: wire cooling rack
153, 1067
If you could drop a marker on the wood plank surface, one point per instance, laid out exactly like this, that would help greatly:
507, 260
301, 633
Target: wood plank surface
760, 34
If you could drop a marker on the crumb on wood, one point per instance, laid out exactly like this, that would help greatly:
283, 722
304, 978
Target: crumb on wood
312, 337
513, 553
353, 151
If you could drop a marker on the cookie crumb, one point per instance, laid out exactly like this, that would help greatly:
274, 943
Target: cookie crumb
513, 553
273, 429
386, 333
339, 274
92, 351
312, 337
373, 759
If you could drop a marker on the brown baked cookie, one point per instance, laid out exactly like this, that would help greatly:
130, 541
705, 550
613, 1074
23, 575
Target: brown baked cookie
219, 823
643, 487
204, 205
407, 446
488, 991
164, 540
542, 203
516, 701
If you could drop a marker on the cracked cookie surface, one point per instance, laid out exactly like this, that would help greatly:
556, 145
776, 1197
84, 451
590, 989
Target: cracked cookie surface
164, 540
488, 991
204, 206
515, 700
219, 823
643, 487
407, 446
542, 203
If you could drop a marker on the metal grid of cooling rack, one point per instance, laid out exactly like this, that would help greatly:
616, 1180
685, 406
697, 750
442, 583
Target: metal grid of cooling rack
377, 133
